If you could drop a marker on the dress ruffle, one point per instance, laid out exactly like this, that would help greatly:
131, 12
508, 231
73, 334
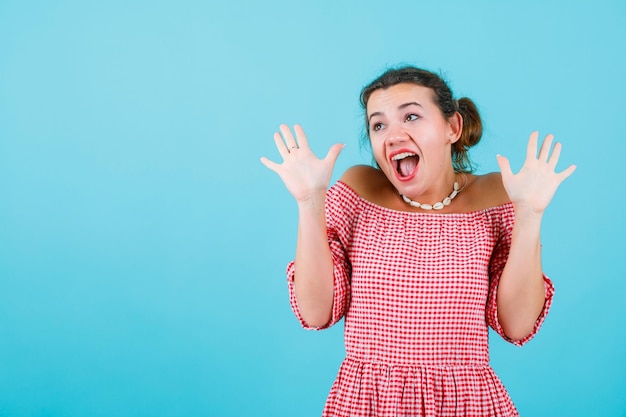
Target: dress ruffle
376, 389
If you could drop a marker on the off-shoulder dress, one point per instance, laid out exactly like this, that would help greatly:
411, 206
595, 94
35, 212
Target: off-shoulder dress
417, 292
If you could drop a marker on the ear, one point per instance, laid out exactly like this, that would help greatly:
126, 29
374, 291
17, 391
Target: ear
455, 124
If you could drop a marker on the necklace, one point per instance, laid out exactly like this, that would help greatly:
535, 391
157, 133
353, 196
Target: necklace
437, 206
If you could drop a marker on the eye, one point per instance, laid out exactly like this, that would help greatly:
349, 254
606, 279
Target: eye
377, 126
411, 117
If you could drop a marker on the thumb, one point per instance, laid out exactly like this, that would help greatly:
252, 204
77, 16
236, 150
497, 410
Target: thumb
505, 166
333, 152
269, 164
569, 171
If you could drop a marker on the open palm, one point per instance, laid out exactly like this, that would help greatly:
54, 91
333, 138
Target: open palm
537, 181
302, 172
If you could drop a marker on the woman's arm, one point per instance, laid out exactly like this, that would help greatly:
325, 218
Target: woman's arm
307, 178
313, 278
521, 290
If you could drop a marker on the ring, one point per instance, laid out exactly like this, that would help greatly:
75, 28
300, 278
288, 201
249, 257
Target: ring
293, 147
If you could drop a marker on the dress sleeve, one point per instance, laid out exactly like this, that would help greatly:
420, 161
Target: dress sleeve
340, 211
496, 266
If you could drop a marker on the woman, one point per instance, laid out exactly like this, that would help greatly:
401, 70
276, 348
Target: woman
418, 255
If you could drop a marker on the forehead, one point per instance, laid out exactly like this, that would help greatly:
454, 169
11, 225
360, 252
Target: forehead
399, 94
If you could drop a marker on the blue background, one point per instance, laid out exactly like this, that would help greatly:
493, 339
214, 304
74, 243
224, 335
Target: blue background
143, 245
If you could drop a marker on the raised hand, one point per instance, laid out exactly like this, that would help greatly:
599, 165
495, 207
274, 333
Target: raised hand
303, 173
535, 184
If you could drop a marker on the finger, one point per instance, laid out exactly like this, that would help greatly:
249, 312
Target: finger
303, 142
333, 152
566, 173
280, 145
505, 166
531, 150
554, 158
270, 164
288, 137
545, 147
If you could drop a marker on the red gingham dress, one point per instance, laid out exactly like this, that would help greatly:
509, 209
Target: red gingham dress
417, 292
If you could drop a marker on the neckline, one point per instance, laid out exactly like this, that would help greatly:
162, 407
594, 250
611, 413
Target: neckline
423, 213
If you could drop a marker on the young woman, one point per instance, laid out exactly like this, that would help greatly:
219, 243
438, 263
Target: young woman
418, 255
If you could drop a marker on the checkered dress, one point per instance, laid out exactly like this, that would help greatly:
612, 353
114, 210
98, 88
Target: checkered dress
417, 292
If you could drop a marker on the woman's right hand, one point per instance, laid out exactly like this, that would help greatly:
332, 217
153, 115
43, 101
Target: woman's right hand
304, 174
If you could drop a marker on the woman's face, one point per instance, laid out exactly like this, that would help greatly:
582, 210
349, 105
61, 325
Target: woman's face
411, 140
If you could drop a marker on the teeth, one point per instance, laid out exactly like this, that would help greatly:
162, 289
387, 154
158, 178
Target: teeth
402, 156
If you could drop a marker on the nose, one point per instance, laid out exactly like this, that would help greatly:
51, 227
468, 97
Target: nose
396, 134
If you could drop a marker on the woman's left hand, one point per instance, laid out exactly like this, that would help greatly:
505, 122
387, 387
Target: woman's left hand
536, 182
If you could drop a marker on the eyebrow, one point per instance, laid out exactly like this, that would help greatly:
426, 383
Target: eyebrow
400, 107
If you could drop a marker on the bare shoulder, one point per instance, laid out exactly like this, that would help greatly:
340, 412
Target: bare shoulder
365, 180
486, 190
478, 191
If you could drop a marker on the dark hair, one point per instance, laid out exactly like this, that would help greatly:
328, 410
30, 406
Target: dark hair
443, 98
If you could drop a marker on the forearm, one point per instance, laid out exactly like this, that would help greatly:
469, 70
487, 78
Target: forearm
521, 290
313, 280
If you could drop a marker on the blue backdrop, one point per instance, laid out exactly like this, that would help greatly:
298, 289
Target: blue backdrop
143, 245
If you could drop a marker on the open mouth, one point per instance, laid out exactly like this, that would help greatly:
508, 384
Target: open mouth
405, 164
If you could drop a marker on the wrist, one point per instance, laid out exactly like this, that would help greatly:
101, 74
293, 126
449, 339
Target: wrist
314, 200
527, 215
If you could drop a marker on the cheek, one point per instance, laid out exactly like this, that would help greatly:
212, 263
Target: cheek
378, 150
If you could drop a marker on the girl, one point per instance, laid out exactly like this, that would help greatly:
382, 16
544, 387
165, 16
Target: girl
418, 255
